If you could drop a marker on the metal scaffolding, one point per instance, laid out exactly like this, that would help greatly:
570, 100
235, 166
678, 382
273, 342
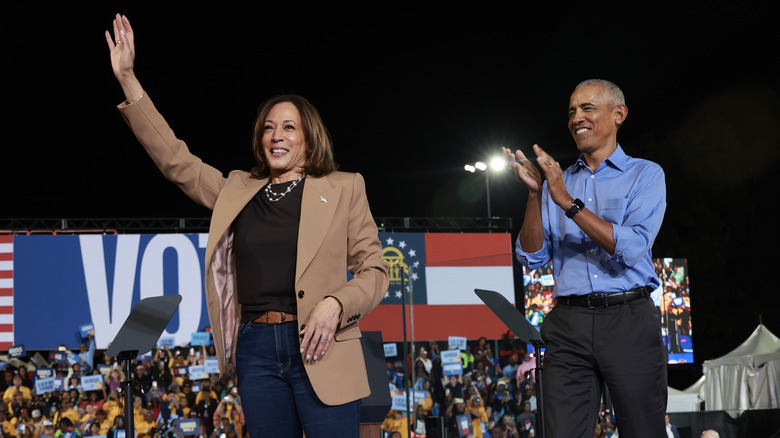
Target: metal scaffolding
201, 225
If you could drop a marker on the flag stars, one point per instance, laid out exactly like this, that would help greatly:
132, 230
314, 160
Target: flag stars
411, 263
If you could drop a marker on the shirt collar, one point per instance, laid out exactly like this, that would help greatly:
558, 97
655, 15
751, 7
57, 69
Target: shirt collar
617, 160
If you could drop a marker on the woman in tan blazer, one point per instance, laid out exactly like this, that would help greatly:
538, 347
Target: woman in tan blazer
282, 237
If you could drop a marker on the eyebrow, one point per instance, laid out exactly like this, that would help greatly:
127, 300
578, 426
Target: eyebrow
584, 104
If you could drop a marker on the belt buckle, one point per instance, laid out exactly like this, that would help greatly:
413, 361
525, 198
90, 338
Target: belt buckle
268, 320
597, 295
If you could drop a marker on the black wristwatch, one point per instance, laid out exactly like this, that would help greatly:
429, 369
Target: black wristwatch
576, 207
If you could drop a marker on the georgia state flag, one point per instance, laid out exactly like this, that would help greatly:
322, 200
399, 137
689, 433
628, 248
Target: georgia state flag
434, 276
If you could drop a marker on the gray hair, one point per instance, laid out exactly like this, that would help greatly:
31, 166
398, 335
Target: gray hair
614, 91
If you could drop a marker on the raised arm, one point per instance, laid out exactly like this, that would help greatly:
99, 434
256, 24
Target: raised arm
201, 182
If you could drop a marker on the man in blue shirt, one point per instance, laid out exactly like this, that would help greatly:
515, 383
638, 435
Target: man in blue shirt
87, 354
596, 221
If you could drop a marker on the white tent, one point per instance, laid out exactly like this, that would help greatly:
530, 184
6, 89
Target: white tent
746, 378
686, 400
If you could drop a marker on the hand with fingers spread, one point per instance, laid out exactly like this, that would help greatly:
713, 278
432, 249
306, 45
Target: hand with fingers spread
318, 333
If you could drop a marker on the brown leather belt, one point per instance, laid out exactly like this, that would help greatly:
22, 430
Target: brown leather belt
273, 317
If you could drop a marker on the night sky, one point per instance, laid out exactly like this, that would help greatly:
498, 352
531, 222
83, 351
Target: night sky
410, 94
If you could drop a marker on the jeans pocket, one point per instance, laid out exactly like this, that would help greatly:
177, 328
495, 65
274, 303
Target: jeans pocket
243, 328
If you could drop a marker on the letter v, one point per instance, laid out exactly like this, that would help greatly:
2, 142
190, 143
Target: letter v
108, 322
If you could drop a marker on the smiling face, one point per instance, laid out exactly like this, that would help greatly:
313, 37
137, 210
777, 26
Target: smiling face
594, 118
284, 143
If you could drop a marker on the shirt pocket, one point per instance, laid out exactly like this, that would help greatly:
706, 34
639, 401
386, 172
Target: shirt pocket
613, 210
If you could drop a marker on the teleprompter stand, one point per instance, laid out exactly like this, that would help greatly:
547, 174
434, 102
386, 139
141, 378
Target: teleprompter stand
140, 334
516, 322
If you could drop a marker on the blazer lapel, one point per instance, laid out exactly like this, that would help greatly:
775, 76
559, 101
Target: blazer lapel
231, 202
318, 207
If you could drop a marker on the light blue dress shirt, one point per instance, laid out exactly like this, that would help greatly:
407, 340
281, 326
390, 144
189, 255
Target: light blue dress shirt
88, 356
630, 193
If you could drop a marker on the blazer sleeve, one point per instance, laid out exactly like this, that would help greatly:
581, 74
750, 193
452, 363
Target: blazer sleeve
370, 279
198, 180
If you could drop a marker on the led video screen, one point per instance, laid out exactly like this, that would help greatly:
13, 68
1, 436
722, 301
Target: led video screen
672, 299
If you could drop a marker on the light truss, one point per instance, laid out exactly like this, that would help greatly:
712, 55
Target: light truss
201, 225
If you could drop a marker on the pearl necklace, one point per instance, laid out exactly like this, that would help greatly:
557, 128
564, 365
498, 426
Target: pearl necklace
275, 197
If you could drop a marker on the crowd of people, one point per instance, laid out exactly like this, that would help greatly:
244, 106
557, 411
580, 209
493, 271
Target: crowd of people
163, 396
493, 394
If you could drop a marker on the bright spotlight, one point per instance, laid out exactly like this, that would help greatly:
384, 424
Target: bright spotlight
497, 163
470, 168
480, 165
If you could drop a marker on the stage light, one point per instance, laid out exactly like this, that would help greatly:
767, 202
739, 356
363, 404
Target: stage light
497, 164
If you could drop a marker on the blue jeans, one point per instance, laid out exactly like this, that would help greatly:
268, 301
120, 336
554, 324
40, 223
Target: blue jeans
276, 395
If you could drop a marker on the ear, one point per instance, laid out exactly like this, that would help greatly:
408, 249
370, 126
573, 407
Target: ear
620, 112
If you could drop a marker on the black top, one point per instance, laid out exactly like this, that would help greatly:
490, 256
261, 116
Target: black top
265, 242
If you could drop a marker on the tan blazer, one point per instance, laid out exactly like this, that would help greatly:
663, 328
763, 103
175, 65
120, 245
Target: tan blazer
337, 232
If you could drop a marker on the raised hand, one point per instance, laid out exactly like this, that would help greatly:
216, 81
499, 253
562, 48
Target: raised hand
523, 169
554, 176
122, 48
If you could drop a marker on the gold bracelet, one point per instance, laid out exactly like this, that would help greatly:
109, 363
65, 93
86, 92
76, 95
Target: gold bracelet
130, 102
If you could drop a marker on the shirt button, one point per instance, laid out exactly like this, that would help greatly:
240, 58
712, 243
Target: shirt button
592, 176
592, 251
595, 276
590, 199
300, 294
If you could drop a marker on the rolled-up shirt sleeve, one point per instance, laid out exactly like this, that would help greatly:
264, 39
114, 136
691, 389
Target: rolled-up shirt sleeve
532, 260
644, 215
537, 259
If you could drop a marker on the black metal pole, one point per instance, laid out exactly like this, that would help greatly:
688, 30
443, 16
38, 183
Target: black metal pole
128, 388
407, 380
539, 401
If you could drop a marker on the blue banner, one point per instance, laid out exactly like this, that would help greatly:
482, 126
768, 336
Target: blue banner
60, 288
71, 280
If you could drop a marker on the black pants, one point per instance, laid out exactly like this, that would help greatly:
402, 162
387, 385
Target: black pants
619, 345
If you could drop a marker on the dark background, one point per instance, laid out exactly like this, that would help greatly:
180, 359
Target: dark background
411, 93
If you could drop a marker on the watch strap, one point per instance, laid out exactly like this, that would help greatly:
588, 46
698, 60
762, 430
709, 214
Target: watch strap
576, 206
